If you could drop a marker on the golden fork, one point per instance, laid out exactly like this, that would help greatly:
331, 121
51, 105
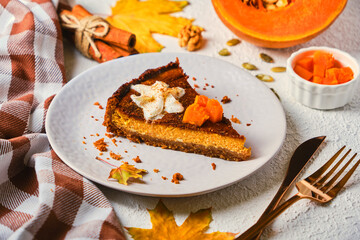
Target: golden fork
318, 187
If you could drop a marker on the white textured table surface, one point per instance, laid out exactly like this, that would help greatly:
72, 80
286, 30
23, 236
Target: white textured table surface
237, 207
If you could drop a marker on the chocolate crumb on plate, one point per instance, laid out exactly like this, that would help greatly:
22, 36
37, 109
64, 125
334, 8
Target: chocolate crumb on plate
225, 100
177, 177
235, 120
137, 159
213, 165
101, 145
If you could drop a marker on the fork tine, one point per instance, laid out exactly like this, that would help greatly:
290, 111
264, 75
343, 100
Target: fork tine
332, 181
322, 180
313, 177
333, 191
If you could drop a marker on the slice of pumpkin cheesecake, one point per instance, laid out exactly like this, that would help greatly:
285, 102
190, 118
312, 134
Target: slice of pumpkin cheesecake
161, 109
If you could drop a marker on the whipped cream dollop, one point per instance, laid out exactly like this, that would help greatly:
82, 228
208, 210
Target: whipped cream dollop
158, 99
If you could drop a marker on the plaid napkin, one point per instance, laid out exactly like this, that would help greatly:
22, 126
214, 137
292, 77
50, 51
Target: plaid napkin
40, 197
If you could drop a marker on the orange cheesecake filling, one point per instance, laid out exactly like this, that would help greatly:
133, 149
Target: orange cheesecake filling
180, 134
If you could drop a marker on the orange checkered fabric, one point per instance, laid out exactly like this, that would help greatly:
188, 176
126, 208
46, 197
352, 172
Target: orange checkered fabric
40, 196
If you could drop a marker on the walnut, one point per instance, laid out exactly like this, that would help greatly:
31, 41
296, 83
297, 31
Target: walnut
190, 37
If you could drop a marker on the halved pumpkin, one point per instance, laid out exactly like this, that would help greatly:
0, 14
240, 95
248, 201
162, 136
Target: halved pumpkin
296, 23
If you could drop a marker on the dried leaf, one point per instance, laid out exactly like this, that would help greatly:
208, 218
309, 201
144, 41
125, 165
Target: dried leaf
224, 52
265, 78
233, 42
146, 17
278, 69
125, 172
249, 66
165, 227
266, 58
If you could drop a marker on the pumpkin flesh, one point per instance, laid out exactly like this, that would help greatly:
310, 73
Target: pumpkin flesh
296, 23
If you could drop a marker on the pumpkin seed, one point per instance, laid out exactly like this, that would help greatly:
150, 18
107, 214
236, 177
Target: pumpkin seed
266, 58
233, 42
249, 66
224, 52
277, 95
278, 69
265, 78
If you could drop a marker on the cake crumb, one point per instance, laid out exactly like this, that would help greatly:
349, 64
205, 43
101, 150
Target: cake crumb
114, 142
177, 177
248, 124
137, 159
164, 178
91, 135
84, 137
98, 104
96, 119
212, 86
206, 84
204, 88
110, 135
115, 156
101, 153
83, 142
194, 78
225, 100
126, 151
101, 145
97, 134
92, 116
213, 166
196, 86
235, 120
156, 170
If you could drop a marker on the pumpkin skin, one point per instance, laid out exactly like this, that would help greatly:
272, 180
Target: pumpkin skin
294, 24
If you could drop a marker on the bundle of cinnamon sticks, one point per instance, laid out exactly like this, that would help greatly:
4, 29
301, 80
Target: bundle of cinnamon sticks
106, 41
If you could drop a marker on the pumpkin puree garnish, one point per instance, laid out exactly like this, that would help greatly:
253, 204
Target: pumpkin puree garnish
203, 109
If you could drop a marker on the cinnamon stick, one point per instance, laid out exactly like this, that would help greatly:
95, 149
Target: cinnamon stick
107, 52
115, 36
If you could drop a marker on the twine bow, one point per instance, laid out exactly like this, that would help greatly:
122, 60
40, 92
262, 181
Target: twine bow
85, 29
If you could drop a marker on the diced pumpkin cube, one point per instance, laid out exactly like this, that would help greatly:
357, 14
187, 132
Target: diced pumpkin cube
201, 100
302, 72
345, 75
317, 79
215, 110
322, 61
331, 76
307, 63
195, 114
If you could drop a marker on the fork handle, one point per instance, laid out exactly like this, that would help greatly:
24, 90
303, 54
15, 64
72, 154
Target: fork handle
266, 220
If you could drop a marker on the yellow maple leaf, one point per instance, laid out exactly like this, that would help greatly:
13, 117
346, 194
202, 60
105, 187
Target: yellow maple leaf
164, 226
125, 172
146, 17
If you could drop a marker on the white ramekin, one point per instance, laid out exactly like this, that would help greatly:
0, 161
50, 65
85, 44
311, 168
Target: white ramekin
322, 96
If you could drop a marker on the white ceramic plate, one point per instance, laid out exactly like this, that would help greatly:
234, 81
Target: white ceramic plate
72, 116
